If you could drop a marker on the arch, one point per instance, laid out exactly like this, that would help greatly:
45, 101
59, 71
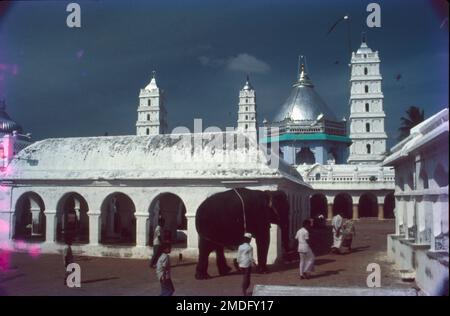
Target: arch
389, 205
368, 148
305, 155
318, 205
72, 220
118, 223
368, 206
29, 218
172, 208
440, 176
367, 127
343, 204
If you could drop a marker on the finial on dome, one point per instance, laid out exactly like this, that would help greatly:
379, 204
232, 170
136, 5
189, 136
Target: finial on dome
247, 85
303, 78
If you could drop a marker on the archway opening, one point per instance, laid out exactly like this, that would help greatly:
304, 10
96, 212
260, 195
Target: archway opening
118, 223
29, 218
389, 205
368, 206
318, 205
72, 220
305, 156
171, 208
343, 204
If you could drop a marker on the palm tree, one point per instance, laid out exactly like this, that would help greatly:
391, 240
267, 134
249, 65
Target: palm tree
414, 116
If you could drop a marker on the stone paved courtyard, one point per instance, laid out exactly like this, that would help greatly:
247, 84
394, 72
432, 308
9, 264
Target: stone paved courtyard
43, 275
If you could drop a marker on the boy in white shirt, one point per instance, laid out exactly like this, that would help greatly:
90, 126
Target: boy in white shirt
163, 271
306, 255
245, 261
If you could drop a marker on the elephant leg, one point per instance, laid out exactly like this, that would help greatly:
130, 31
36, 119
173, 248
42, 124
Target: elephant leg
204, 249
262, 245
221, 261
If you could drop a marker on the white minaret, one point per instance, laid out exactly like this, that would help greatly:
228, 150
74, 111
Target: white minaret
366, 108
247, 108
151, 111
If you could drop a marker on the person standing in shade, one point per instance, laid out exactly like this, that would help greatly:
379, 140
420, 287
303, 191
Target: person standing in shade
245, 261
348, 232
157, 238
304, 249
68, 258
163, 270
336, 223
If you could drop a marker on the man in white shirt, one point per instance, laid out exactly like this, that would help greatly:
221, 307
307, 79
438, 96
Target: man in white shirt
336, 223
245, 261
306, 255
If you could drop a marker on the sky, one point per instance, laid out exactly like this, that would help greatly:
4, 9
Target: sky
70, 82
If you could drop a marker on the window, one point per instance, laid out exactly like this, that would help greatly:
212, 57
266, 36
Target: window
149, 102
366, 88
365, 70
148, 117
246, 126
317, 176
246, 117
367, 127
246, 100
367, 107
368, 148
148, 131
365, 55
246, 108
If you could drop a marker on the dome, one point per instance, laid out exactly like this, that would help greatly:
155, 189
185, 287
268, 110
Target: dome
304, 103
247, 85
7, 125
364, 49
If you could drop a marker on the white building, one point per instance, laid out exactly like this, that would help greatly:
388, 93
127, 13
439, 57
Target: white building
116, 186
358, 191
314, 141
419, 246
247, 119
152, 114
366, 108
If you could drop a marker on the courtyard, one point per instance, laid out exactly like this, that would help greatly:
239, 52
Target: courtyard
44, 274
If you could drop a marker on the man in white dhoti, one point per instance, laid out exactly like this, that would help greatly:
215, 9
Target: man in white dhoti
306, 255
336, 223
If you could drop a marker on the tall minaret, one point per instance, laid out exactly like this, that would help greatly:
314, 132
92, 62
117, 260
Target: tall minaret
151, 111
247, 108
366, 108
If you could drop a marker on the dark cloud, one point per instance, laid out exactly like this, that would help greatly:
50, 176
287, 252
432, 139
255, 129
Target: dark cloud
81, 82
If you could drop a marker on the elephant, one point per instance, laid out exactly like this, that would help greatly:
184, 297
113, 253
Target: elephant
220, 224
